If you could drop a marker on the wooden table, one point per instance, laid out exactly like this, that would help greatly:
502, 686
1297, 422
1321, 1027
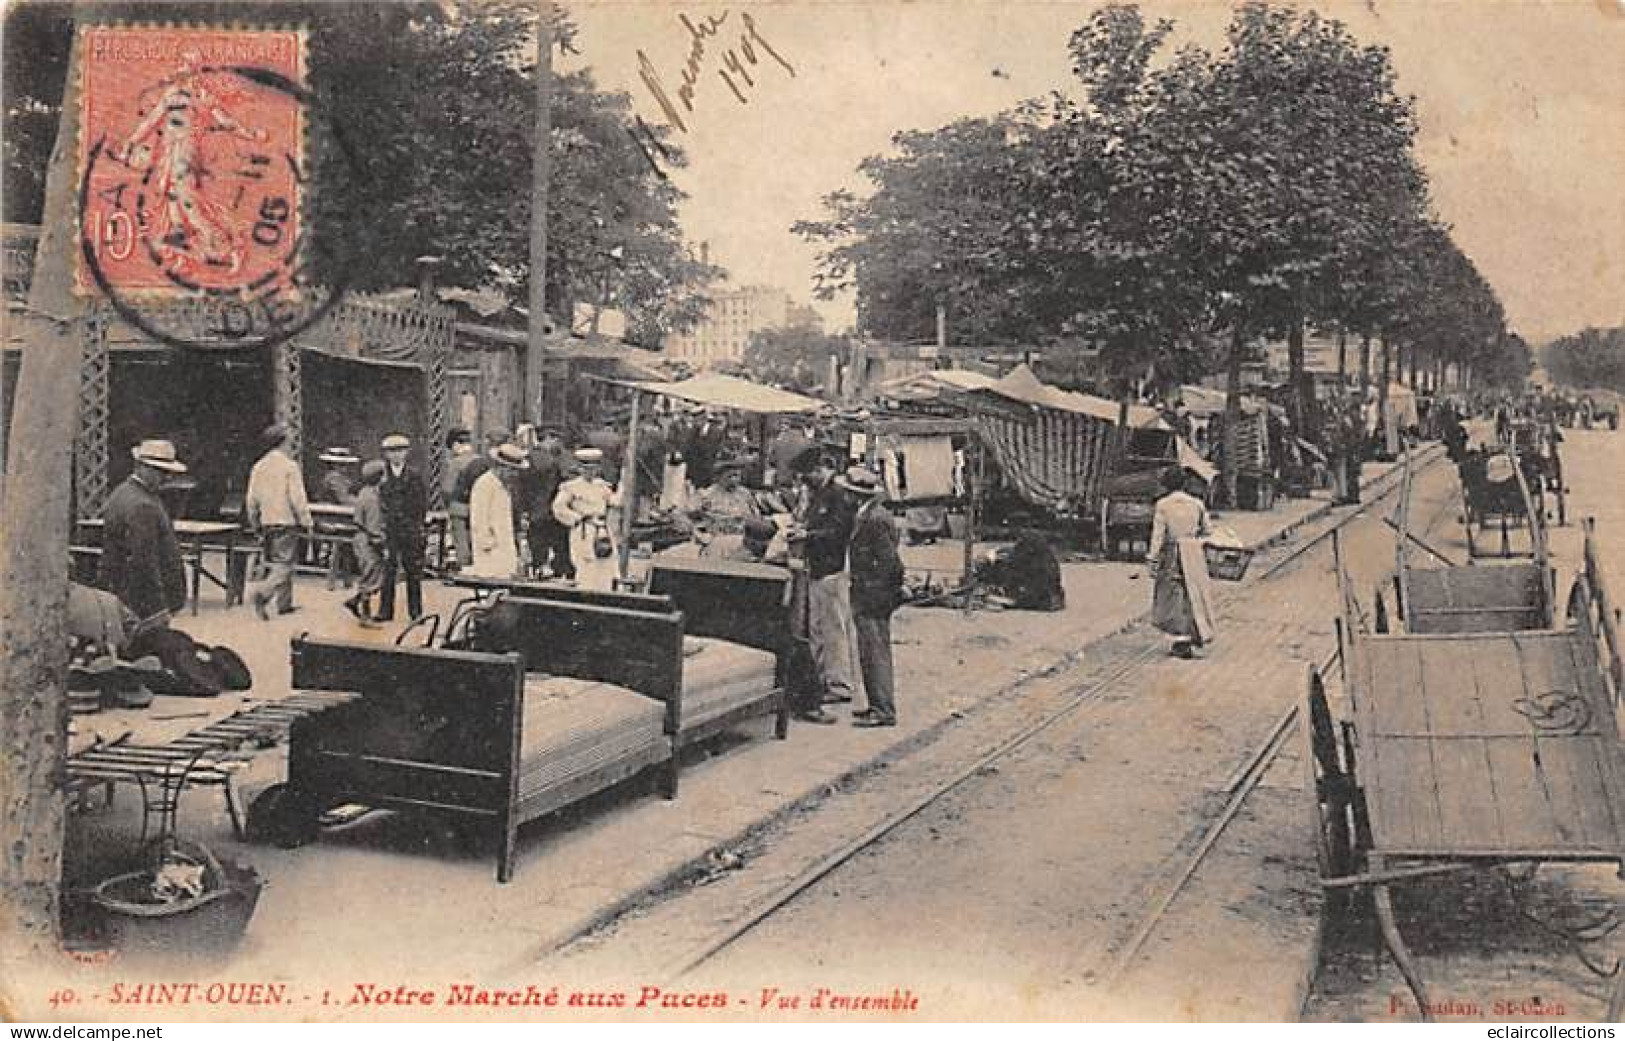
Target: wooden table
340, 522
193, 535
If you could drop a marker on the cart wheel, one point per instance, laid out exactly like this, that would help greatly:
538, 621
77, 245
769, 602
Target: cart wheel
1333, 790
283, 817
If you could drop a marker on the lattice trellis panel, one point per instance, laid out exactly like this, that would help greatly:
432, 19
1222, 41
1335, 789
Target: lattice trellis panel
287, 390
367, 327
436, 357
90, 443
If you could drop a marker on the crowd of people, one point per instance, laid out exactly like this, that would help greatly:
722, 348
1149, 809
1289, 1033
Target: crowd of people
525, 508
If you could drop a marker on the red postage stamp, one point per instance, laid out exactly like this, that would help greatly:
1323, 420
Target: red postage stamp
191, 159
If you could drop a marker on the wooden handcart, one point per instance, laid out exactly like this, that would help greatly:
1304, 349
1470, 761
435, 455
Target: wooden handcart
1495, 596
1496, 497
1462, 751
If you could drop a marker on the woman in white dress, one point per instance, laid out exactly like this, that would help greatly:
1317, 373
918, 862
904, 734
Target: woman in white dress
490, 516
583, 505
1182, 602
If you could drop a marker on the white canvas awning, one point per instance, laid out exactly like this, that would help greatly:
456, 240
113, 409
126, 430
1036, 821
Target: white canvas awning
731, 392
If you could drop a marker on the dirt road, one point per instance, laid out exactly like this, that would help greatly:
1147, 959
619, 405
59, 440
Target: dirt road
1009, 896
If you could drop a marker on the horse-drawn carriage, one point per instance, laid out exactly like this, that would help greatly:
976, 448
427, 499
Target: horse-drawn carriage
1533, 442
1496, 496
1475, 740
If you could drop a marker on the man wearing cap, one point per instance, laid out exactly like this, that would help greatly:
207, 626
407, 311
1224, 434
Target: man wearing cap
368, 542
491, 513
877, 585
141, 559
828, 531
582, 505
459, 454
405, 500
276, 507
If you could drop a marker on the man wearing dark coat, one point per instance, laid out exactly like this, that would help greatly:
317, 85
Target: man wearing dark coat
405, 499
827, 532
141, 559
877, 591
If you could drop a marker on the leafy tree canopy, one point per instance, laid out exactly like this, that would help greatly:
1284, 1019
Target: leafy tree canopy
1255, 189
1589, 358
796, 358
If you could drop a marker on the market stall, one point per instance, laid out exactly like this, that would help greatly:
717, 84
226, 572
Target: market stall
1059, 451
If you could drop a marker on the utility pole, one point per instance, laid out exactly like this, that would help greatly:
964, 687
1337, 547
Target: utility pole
541, 174
34, 536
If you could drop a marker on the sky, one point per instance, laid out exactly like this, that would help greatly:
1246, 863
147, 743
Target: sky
1521, 105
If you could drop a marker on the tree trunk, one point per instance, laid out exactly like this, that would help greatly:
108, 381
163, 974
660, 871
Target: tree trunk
1411, 353
1387, 375
1232, 414
1342, 356
1297, 378
34, 538
541, 173
1365, 365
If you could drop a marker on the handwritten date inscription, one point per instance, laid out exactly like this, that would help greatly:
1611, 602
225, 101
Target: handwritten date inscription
747, 51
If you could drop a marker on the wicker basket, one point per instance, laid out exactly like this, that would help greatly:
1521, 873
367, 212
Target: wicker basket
206, 927
1227, 563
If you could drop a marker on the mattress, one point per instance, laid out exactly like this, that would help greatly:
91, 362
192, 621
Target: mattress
719, 676
573, 727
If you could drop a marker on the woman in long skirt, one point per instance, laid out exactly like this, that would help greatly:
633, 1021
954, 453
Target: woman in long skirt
1182, 602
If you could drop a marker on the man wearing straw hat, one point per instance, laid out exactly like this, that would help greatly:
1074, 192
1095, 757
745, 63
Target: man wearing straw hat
491, 515
877, 590
141, 558
276, 506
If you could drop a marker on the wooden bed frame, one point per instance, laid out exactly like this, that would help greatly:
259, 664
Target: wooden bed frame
747, 604
489, 587
740, 602
440, 730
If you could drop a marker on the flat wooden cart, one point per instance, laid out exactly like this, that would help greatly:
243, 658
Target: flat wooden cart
1494, 596
1468, 750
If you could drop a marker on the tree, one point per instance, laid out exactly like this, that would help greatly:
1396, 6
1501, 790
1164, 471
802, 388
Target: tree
1256, 191
936, 231
1589, 358
796, 358
34, 585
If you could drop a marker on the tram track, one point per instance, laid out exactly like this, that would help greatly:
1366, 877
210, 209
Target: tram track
1242, 781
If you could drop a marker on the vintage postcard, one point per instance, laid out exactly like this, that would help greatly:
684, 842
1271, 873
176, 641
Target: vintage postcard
586, 511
